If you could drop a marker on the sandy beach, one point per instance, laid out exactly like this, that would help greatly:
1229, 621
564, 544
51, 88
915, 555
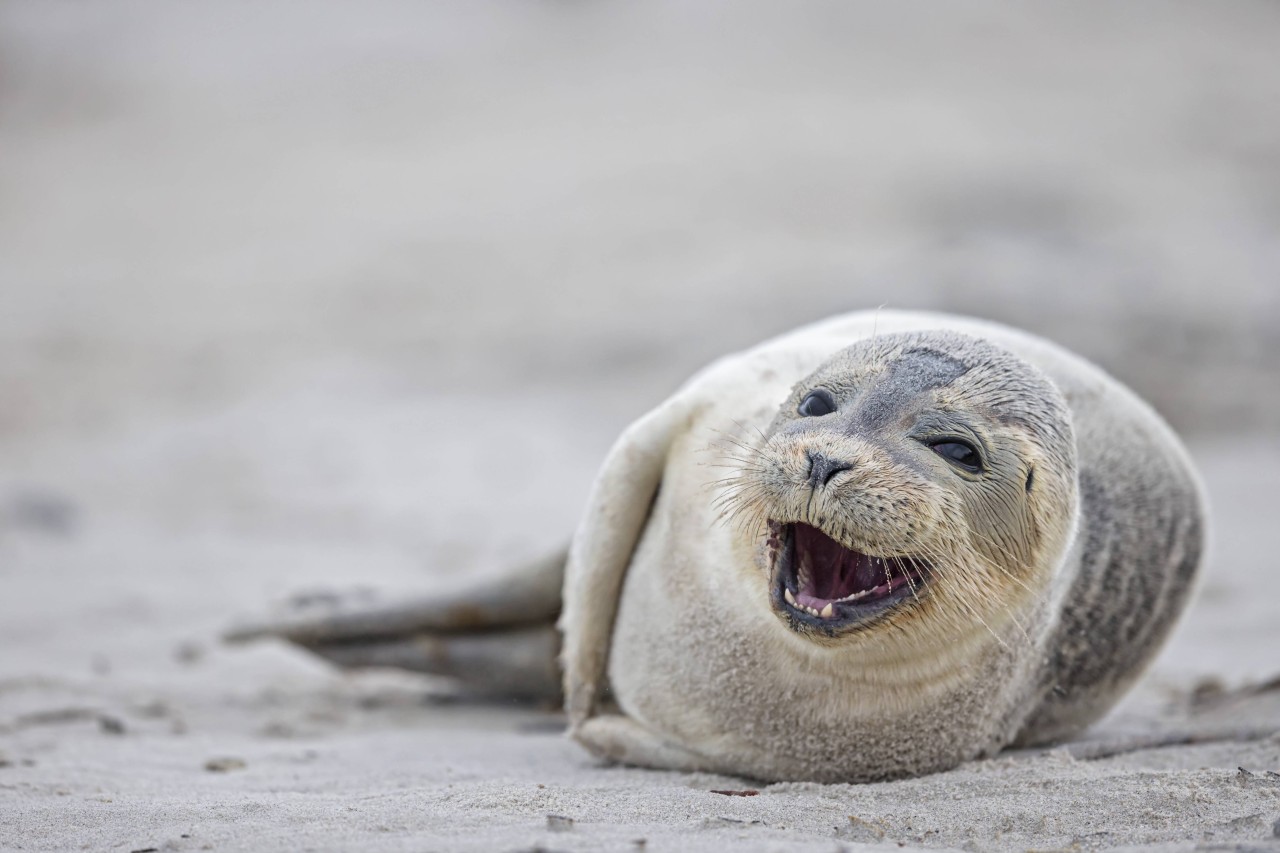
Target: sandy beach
274, 285
126, 726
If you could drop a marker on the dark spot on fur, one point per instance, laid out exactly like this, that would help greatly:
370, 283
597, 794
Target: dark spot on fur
911, 374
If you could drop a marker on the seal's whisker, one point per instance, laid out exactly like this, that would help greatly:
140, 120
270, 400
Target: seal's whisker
907, 574
1037, 597
734, 463
732, 439
741, 503
733, 480
745, 427
746, 465
974, 613
965, 596
1019, 562
974, 594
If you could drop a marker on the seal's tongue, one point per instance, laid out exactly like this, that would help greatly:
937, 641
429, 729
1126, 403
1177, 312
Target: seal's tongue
826, 571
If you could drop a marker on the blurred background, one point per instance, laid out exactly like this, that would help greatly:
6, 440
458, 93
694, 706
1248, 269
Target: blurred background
328, 293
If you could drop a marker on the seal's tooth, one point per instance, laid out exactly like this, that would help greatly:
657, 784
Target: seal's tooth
791, 599
827, 611
859, 594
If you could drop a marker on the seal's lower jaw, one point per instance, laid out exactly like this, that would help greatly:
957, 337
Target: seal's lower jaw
818, 583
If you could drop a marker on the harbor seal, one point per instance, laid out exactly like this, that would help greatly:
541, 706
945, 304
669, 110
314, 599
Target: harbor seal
875, 547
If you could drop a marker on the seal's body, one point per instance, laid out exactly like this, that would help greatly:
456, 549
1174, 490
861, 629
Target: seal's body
875, 547
1075, 595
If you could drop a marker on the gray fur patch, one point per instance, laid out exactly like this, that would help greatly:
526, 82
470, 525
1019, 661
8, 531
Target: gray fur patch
912, 373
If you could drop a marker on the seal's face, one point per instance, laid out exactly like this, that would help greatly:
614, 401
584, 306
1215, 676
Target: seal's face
922, 480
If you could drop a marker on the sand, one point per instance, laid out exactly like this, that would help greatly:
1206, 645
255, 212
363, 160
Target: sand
125, 725
359, 296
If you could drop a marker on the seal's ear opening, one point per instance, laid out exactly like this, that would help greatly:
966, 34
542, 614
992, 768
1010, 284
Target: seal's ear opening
1050, 499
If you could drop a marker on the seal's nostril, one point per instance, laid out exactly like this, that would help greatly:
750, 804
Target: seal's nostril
822, 469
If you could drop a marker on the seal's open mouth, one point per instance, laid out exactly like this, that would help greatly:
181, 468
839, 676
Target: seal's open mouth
819, 582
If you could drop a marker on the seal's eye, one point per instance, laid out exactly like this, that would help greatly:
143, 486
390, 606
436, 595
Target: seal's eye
961, 453
817, 404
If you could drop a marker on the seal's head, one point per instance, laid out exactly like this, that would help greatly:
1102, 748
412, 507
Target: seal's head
918, 481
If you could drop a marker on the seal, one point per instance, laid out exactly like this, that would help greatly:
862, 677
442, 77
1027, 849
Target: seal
875, 547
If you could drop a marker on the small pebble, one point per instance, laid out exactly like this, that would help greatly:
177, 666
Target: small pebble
862, 830
559, 823
278, 729
188, 653
46, 512
155, 709
224, 765
110, 725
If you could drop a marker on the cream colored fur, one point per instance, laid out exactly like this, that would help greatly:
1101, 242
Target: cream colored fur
666, 606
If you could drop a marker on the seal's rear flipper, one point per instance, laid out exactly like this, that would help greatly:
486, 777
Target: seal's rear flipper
494, 634
517, 662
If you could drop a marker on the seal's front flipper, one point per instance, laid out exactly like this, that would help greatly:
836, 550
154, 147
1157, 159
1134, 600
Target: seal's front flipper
614, 737
616, 514
495, 634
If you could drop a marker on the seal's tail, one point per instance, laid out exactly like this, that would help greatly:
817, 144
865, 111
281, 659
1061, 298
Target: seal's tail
495, 635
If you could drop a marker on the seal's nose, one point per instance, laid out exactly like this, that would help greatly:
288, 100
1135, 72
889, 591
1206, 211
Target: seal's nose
822, 469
